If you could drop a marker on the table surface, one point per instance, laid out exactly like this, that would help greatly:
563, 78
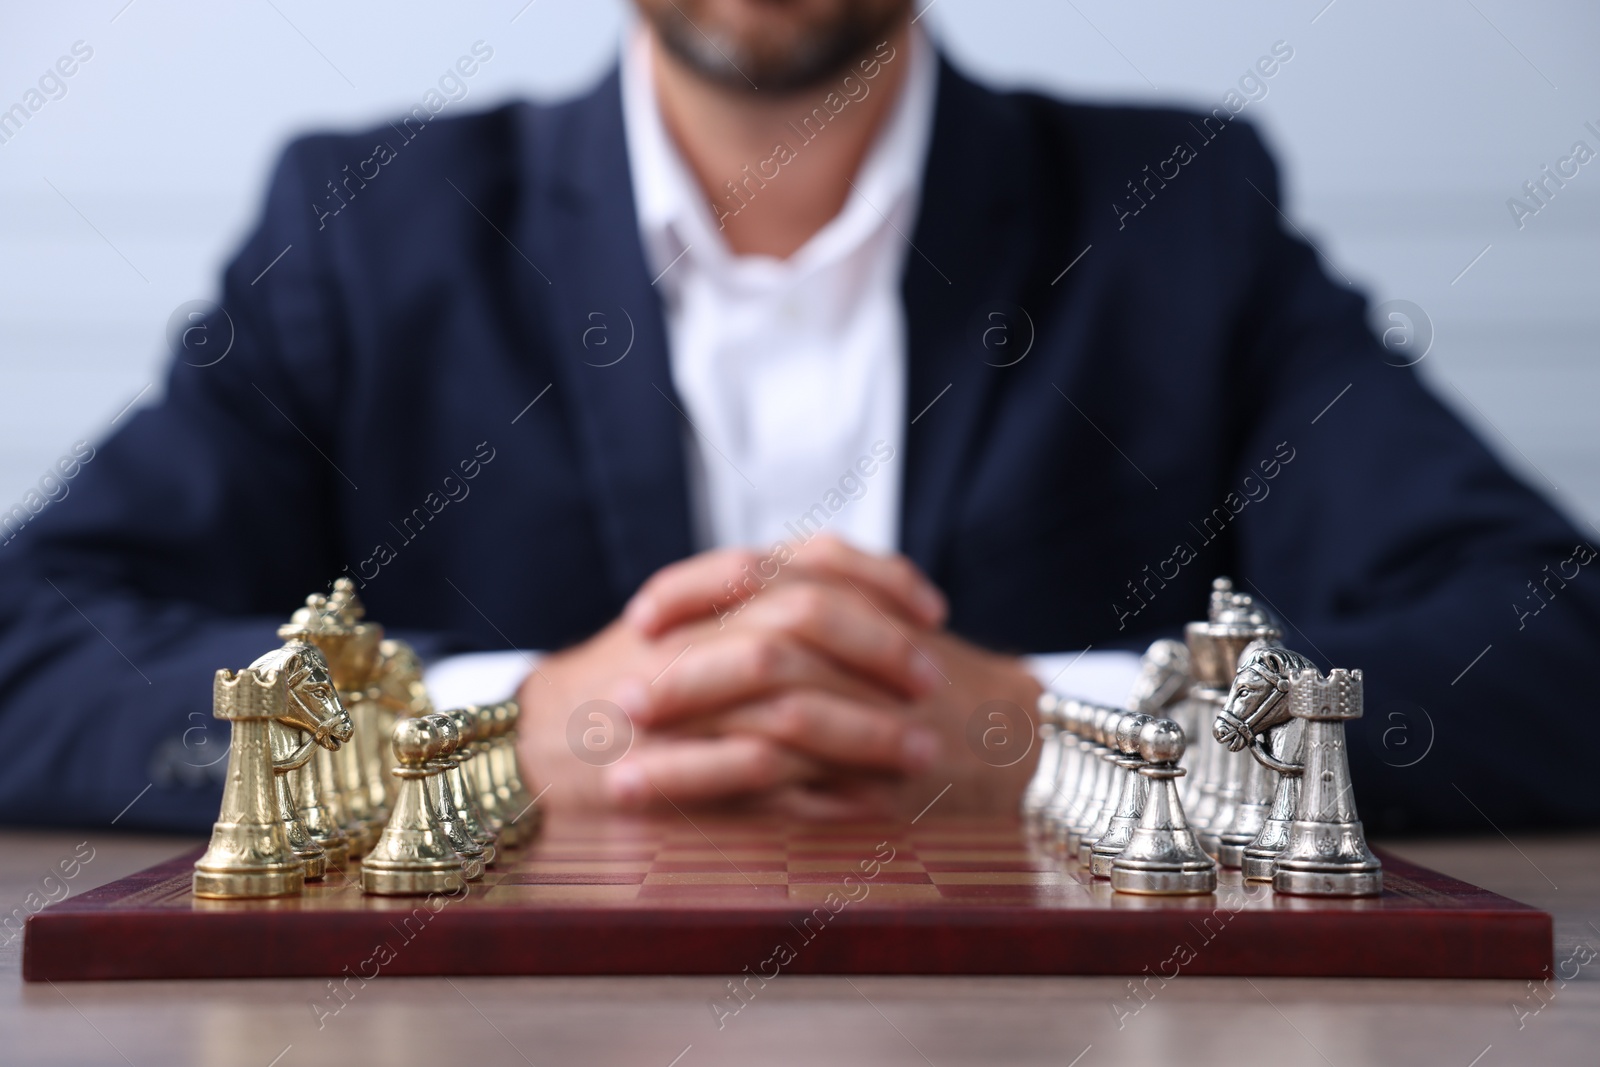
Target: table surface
668, 1022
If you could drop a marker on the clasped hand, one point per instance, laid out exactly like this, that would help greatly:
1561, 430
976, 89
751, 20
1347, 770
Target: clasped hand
829, 689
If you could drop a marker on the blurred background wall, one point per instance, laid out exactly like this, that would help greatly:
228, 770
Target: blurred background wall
1403, 129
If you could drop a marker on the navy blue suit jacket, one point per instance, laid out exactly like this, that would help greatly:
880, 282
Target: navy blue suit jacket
1196, 398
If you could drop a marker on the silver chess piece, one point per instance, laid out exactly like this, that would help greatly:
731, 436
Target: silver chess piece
1042, 786
1326, 854
1162, 857
1233, 621
1066, 798
1163, 678
1256, 720
1131, 795
1094, 786
1121, 736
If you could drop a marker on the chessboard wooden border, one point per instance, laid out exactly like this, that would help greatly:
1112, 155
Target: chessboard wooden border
1454, 930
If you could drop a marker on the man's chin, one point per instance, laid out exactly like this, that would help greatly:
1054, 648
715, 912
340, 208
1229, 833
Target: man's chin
772, 58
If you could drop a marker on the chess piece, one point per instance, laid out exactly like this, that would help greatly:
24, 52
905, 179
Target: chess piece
1233, 621
1162, 857
413, 856
1043, 783
463, 797
526, 818
1164, 678
1256, 719
333, 623
1121, 730
250, 854
1161, 690
396, 691
1326, 854
1260, 856
307, 785
480, 777
1134, 788
1064, 799
289, 754
1095, 784
441, 794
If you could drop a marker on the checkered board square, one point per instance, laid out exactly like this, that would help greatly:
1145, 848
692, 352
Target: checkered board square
713, 894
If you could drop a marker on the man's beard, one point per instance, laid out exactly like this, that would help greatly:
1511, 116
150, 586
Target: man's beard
816, 55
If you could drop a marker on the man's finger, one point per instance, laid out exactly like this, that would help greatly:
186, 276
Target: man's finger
841, 623
837, 731
721, 582
736, 668
891, 575
704, 770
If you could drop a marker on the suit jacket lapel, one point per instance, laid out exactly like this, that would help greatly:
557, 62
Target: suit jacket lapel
964, 297
971, 254
605, 322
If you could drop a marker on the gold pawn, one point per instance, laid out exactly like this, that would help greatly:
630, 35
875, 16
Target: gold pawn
413, 856
525, 814
463, 797
481, 776
441, 795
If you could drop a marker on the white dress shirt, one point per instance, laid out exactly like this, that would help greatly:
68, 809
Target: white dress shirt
791, 371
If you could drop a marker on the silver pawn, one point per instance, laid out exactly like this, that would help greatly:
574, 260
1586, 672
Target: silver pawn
1162, 857
1124, 734
1042, 786
1130, 800
1096, 775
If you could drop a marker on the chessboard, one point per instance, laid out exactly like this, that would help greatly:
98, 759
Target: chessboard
736, 895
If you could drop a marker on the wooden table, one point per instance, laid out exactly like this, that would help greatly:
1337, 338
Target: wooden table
662, 1022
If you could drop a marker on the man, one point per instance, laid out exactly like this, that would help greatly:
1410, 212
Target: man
784, 390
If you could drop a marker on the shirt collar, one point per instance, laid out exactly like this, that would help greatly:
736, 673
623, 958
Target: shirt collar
675, 221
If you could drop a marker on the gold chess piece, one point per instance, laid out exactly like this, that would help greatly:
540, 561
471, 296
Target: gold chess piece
480, 776
397, 691
441, 794
289, 754
522, 813
414, 856
250, 854
463, 795
334, 624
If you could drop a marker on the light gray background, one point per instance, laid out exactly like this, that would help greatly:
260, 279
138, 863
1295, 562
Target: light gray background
1402, 129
